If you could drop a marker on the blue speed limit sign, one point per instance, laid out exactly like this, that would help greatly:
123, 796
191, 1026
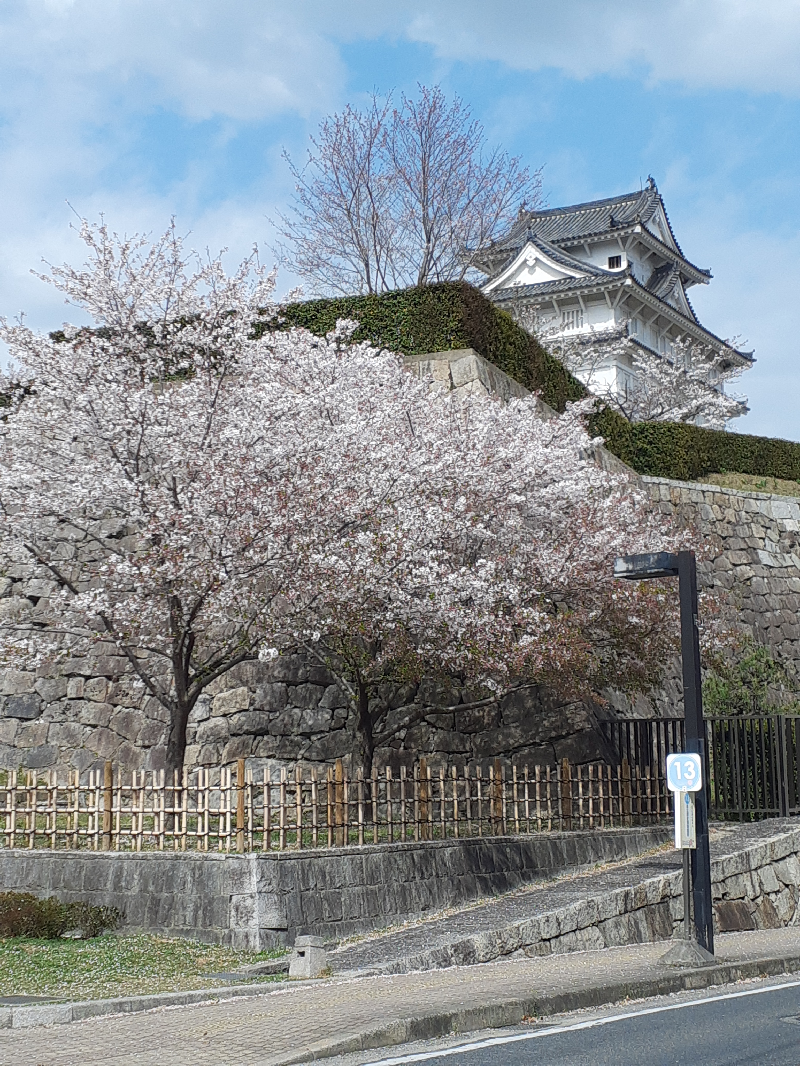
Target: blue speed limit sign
684, 772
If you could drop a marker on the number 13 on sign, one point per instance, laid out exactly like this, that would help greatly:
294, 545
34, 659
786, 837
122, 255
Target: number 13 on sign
684, 778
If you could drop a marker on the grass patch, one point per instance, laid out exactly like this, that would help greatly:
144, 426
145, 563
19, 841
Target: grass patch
109, 966
753, 483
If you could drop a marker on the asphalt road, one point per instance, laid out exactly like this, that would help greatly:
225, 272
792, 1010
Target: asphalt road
755, 1026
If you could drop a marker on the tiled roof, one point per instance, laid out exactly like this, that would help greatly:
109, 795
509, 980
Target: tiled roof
662, 280
558, 255
581, 221
598, 216
548, 288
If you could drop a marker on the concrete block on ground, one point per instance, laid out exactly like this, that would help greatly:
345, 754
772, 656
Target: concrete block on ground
310, 959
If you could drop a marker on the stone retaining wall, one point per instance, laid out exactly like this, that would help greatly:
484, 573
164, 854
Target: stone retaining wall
755, 886
89, 710
257, 901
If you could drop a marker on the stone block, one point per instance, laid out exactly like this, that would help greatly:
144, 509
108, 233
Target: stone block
127, 723
24, 707
96, 689
214, 729
237, 748
51, 688
271, 696
291, 669
733, 916
41, 757
769, 881
333, 698
67, 734
765, 916
235, 699
309, 958
314, 720
306, 696
8, 730
735, 887
91, 714
152, 733
75, 688
17, 683
103, 742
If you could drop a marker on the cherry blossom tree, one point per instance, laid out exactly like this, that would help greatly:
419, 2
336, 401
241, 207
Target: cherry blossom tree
683, 385
396, 196
199, 493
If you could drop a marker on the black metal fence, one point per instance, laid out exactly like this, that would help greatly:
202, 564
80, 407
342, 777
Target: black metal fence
752, 764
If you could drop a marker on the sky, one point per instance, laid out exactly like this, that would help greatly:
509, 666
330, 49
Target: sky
142, 110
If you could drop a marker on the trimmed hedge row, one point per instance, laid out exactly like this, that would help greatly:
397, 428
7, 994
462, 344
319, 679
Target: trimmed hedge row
455, 315
444, 317
684, 452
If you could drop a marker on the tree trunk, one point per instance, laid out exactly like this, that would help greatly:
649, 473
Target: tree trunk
364, 733
176, 741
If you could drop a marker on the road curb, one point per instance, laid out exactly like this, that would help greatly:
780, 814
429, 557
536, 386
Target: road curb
421, 1027
26, 1016
500, 1015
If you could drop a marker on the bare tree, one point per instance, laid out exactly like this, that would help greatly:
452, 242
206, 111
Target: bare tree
397, 196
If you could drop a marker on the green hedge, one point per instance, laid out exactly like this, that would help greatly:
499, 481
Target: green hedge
689, 453
455, 315
438, 318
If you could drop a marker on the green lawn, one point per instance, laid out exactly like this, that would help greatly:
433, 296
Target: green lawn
110, 966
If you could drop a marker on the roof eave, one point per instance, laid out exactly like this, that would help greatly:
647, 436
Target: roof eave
698, 274
744, 358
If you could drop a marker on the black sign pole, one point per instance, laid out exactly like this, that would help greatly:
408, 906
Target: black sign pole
696, 742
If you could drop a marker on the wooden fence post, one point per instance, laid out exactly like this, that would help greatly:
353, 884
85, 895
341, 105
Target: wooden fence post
240, 805
338, 777
108, 802
424, 799
498, 798
566, 794
626, 793
298, 805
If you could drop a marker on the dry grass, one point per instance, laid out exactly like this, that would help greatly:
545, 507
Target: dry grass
751, 483
110, 966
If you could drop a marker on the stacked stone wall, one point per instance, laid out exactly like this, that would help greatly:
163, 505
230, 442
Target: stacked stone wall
88, 710
754, 557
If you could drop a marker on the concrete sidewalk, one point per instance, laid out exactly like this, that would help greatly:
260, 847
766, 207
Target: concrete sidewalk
302, 1023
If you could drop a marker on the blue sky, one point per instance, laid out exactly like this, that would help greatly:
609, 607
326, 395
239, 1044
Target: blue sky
143, 110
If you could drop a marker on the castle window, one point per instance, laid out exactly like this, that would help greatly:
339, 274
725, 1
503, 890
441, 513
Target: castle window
572, 319
614, 262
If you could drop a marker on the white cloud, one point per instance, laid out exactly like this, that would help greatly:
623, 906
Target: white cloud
748, 44
246, 61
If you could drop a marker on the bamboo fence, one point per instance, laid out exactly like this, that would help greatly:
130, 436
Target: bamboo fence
227, 809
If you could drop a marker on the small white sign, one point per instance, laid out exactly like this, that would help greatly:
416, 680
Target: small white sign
685, 824
684, 772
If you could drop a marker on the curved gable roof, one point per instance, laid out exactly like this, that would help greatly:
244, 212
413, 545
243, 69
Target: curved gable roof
595, 218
